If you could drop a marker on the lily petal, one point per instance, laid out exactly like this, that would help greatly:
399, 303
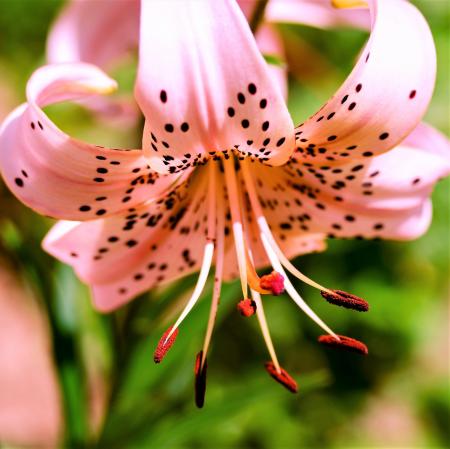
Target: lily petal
205, 87
63, 177
386, 198
98, 32
270, 44
103, 33
316, 13
384, 97
124, 255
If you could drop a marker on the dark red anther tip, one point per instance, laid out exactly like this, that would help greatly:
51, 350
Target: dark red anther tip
282, 377
274, 282
200, 380
345, 342
164, 346
247, 307
347, 300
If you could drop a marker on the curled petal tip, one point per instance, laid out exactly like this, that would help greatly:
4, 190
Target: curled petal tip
104, 89
344, 4
282, 377
274, 282
344, 299
344, 342
164, 345
200, 379
247, 307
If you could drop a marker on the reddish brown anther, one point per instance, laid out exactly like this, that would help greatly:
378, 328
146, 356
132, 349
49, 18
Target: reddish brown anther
274, 282
347, 300
200, 380
164, 346
345, 342
247, 307
282, 377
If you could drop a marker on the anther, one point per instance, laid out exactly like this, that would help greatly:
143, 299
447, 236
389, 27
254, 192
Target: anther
247, 307
344, 342
282, 377
347, 300
274, 282
200, 379
164, 346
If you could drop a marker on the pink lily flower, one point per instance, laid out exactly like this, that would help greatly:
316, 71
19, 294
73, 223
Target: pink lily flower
224, 178
83, 22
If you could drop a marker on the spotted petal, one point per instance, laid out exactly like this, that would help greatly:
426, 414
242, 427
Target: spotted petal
63, 177
205, 87
124, 255
387, 197
384, 97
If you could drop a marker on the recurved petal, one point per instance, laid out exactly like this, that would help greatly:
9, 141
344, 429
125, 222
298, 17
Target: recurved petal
387, 197
100, 32
271, 46
206, 87
316, 13
122, 256
58, 175
384, 97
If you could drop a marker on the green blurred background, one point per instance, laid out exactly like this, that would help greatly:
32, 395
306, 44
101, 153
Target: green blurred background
113, 396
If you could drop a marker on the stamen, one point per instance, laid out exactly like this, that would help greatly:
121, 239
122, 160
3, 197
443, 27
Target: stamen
200, 368
290, 289
247, 307
265, 229
282, 377
212, 197
265, 329
273, 282
218, 273
254, 281
347, 300
273, 255
164, 344
208, 253
345, 343
233, 198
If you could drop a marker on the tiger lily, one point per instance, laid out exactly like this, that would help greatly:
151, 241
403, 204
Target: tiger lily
224, 178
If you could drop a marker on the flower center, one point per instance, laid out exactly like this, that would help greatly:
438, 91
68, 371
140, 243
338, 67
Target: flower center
230, 179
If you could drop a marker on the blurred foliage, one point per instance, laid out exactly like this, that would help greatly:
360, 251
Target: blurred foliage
344, 401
